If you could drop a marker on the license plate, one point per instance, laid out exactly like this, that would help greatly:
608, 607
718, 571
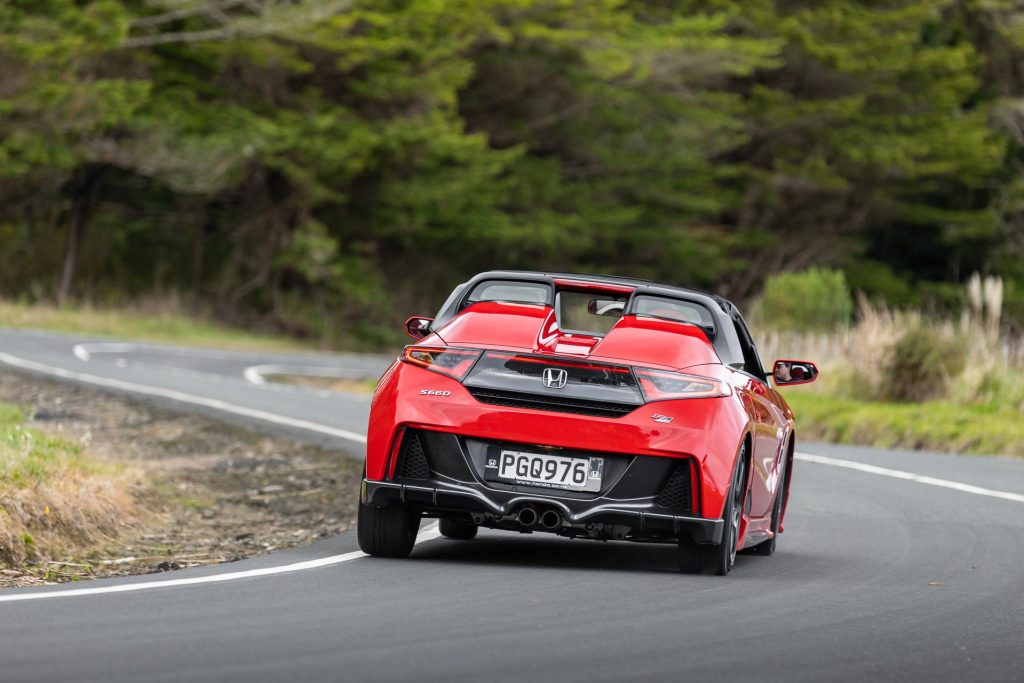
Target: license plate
550, 471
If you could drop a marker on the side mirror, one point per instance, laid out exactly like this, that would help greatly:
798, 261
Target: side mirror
417, 327
794, 372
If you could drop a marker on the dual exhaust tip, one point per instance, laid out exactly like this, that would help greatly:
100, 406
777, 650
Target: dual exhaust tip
549, 519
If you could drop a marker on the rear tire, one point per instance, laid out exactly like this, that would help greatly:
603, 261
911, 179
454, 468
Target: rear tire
387, 531
457, 529
718, 559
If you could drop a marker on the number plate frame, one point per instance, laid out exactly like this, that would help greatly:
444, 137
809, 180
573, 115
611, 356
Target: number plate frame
497, 463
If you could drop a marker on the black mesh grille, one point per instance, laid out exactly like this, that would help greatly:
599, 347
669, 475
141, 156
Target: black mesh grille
578, 406
675, 494
413, 460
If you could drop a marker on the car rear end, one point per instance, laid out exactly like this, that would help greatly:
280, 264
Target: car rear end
523, 441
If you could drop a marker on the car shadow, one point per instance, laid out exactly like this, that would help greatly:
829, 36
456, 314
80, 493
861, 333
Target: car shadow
546, 552
542, 551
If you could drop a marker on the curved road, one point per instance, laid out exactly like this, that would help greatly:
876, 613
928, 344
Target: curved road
894, 566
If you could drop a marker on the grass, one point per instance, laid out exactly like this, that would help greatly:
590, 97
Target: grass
157, 323
28, 456
905, 379
933, 425
53, 498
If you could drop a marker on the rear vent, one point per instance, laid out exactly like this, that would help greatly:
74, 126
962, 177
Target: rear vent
558, 404
412, 463
675, 494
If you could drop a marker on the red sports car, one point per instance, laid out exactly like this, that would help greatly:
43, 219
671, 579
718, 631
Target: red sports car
584, 406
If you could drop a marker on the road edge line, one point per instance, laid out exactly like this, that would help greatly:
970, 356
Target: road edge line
428, 534
910, 476
255, 374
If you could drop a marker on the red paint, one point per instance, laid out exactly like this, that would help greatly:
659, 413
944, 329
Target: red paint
639, 340
700, 427
710, 432
502, 324
660, 342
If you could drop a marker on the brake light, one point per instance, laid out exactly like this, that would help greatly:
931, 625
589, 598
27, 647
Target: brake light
659, 385
453, 362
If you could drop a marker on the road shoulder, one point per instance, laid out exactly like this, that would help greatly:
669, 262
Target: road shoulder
210, 492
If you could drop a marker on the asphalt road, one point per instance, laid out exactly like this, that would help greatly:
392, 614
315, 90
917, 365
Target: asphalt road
229, 384
894, 566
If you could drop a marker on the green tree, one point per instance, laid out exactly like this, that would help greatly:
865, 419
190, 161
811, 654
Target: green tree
317, 165
869, 137
812, 300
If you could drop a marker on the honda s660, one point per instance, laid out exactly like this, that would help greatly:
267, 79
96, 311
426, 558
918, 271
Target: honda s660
590, 407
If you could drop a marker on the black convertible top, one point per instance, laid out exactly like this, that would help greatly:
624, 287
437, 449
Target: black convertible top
729, 323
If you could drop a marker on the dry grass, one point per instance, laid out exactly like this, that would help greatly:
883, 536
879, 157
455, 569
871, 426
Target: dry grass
209, 492
975, 408
55, 501
853, 359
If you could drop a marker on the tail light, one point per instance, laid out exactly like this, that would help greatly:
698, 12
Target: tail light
659, 385
453, 362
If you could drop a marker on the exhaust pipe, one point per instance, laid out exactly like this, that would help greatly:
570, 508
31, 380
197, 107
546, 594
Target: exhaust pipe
527, 517
550, 520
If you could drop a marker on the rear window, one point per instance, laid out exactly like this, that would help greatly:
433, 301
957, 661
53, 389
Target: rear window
675, 309
511, 291
589, 313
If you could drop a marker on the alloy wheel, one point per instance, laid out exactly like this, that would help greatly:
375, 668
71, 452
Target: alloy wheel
738, 489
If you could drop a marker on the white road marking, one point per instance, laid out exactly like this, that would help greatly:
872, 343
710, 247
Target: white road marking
85, 350
253, 374
432, 532
181, 397
429, 533
91, 348
256, 373
910, 476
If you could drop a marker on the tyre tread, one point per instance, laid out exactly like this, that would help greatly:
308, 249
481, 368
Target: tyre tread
386, 531
457, 529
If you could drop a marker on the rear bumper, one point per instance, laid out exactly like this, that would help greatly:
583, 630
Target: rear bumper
448, 497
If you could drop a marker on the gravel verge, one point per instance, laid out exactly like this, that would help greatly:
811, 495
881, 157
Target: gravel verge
211, 492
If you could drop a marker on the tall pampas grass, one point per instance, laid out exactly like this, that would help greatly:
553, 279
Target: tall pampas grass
858, 361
